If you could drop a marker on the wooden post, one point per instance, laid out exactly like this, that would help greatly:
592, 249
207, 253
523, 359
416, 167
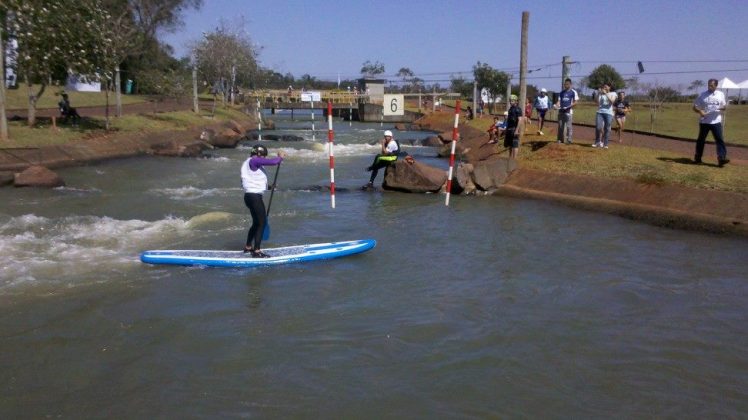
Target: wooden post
523, 63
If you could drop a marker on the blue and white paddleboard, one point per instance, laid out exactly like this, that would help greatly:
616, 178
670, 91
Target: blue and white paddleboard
284, 255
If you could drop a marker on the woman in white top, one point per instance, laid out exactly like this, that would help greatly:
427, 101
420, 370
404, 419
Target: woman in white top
254, 183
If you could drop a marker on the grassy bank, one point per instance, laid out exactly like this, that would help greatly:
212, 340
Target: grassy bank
644, 165
19, 98
44, 135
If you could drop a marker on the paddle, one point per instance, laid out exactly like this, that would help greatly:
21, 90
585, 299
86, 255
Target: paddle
266, 232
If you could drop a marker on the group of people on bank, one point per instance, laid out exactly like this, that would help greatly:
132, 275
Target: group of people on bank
709, 105
610, 106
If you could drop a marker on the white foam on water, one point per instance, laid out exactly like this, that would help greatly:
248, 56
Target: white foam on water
40, 250
193, 193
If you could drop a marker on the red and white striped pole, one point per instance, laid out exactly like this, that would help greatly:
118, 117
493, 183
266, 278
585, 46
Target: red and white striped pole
331, 143
452, 154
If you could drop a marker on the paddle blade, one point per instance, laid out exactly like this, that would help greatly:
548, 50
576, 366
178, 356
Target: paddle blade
266, 232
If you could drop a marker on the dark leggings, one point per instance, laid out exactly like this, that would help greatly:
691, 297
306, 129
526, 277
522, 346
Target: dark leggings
716, 130
257, 209
378, 164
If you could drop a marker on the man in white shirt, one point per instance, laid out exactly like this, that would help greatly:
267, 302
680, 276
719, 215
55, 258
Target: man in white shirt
709, 105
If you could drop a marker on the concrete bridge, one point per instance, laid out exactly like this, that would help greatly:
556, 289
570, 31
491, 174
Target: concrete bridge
345, 104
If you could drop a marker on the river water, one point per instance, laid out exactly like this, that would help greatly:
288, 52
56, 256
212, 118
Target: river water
491, 307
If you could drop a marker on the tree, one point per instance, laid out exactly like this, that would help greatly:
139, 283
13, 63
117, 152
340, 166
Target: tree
406, 75
226, 58
494, 81
154, 15
603, 74
372, 69
458, 84
49, 36
696, 84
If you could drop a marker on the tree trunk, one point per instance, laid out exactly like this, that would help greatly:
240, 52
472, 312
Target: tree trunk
117, 95
3, 118
106, 108
32, 103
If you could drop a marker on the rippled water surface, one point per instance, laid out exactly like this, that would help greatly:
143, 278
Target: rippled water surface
492, 307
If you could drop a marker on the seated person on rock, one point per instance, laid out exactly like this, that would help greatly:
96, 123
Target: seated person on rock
390, 152
67, 111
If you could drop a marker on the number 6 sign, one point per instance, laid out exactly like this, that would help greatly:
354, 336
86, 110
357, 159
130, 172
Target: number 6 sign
394, 105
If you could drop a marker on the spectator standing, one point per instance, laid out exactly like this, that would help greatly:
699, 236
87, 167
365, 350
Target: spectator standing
709, 105
567, 100
542, 102
511, 136
604, 116
622, 108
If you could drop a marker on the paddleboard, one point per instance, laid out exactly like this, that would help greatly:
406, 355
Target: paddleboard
283, 255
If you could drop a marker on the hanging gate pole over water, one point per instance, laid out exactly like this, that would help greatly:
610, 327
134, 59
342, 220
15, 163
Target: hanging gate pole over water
331, 143
452, 154
259, 120
311, 106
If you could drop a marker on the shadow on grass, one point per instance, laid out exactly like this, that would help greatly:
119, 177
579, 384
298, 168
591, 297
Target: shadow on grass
686, 161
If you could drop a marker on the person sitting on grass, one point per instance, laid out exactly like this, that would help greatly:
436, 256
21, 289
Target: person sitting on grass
67, 111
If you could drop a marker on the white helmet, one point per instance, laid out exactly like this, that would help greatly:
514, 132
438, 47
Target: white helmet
543, 90
388, 133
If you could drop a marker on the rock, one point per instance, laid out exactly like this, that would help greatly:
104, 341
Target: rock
400, 127
291, 137
489, 175
432, 141
236, 127
268, 124
224, 141
6, 178
463, 177
413, 177
446, 149
176, 149
208, 135
38, 176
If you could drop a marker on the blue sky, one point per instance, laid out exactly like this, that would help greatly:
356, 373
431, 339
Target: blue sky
677, 41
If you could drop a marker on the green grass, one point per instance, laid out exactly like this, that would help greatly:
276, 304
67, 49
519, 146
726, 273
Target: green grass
42, 133
19, 98
673, 119
644, 165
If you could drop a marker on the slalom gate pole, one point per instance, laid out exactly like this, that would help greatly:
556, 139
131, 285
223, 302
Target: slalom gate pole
452, 154
311, 106
331, 143
259, 120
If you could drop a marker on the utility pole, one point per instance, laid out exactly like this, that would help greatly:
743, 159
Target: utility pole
565, 62
523, 62
508, 91
475, 96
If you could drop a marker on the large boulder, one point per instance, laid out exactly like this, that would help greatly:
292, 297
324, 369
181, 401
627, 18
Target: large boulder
228, 138
38, 176
489, 175
174, 148
432, 141
464, 179
413, 177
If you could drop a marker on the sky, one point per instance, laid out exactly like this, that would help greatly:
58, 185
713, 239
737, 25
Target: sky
677, 41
